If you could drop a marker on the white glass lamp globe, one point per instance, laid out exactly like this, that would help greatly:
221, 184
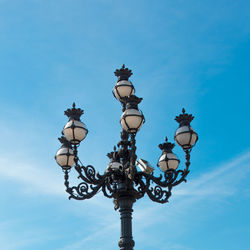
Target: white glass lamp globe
168, 161
132, 120
122, 89
75, 131
65, 157
186, 137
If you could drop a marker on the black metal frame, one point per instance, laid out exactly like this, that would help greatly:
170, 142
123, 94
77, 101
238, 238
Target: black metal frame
126, 185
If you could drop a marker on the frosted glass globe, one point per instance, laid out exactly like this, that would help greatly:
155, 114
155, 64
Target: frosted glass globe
65, 157
132, 120
75, 131
168, 161
123, 88
186, 137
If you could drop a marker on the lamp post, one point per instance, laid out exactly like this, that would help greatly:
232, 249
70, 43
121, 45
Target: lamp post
122, 181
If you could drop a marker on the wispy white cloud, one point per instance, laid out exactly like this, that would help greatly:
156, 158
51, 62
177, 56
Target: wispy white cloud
37, 179
222, 180
31, 177
12, 237
103, 232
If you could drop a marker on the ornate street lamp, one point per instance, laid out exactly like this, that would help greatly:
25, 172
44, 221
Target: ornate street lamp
121, 180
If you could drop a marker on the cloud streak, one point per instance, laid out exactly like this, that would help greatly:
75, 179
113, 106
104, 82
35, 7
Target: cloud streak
31, 177
222, 180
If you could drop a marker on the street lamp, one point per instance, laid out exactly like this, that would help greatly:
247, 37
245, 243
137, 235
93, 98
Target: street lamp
121, 180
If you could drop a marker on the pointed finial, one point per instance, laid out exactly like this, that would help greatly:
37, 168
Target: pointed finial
74, 113
166, 146
184, 119
114, 148
123, 73
131, 101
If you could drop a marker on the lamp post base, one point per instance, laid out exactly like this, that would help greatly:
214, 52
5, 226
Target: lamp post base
126, 241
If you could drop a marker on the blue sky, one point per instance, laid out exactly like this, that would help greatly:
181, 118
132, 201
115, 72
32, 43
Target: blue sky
192, 54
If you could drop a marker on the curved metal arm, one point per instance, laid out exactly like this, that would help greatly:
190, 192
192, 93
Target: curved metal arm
92, 183
159, 188
158, 194
82, 191
91, 177
184, 172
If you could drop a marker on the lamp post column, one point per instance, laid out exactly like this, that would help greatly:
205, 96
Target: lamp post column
126, 241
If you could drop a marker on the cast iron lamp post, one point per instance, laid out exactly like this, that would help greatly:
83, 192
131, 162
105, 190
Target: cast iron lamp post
121, 180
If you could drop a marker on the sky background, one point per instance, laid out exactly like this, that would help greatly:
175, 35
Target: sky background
192, 54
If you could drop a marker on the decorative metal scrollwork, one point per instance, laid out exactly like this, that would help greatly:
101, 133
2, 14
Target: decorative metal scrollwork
158, 188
